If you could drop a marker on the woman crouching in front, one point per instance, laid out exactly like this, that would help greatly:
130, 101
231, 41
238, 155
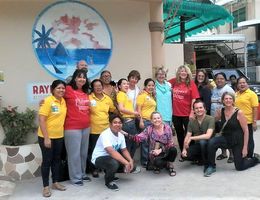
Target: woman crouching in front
162, 151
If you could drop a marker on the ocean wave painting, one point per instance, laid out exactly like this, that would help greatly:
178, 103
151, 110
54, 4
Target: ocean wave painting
68, 31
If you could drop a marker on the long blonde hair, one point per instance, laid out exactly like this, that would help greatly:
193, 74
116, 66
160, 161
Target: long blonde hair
189, 75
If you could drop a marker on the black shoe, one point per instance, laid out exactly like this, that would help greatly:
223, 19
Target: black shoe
257, 157
78, 183
116, 179
112, 186
95, 174
86, 178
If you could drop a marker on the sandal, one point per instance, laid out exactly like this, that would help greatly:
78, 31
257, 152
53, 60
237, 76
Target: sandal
46, 192
156, 170
172, 172
221, 157
58, 186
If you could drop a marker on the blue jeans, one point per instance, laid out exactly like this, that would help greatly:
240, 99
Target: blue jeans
145, 147
221, 142
130, 128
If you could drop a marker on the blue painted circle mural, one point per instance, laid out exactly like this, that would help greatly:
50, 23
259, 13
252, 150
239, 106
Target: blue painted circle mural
68, 31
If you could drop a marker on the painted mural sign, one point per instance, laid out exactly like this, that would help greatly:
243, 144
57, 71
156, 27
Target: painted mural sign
37, 92
68, 31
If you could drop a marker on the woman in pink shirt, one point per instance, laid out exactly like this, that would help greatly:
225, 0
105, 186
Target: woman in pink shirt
77, 126
185, 92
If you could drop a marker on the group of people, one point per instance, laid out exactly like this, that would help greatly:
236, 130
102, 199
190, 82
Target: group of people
103, 124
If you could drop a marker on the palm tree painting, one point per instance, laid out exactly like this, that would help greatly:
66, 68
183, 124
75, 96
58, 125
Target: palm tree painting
66, 32
44, 41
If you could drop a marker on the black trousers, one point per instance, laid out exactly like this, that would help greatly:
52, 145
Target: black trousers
110, 167
221, 142
51, 160
180, 124
161, 160
251, 143
198, 151
92, 143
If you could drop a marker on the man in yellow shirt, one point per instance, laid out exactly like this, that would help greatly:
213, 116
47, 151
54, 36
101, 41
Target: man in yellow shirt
247, 101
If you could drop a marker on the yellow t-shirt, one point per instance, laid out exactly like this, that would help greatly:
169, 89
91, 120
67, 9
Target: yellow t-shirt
55, 111
99, 117
127, 103
147, 104
245, 101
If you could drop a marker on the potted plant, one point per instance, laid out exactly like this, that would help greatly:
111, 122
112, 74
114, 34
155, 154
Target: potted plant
19, 161
17, 125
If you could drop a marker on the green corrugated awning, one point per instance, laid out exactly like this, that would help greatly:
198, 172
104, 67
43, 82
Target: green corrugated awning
198, 17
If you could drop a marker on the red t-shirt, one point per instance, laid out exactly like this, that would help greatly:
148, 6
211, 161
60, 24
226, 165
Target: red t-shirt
78, 110
182, 96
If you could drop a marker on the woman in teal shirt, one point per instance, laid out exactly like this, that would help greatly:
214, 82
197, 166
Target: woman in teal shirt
163, 96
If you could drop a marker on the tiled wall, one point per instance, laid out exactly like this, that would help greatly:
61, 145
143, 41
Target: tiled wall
20, 162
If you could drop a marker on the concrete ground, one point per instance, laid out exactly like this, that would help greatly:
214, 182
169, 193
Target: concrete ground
189, 183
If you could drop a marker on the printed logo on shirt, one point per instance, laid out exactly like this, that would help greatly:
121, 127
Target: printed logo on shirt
82, 104
116, 147
54, 108
93, 103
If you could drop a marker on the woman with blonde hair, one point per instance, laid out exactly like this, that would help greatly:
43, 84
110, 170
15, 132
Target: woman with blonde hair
163, 95
185, 92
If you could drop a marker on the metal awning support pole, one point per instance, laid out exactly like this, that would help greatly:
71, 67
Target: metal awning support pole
245, 56
182, 29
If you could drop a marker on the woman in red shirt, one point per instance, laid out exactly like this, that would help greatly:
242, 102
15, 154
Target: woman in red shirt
185, 92
77, 126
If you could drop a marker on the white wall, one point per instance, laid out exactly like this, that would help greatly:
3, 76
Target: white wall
128, 21
174, 57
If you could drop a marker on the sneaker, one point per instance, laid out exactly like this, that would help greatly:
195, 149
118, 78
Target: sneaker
78, 183
112, 186
210, 170
116, 179
136, 170
257, 157
86, 178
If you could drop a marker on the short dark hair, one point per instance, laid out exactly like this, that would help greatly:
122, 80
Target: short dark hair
78, 73
241, 77
146, 82
55, 83
134, 73
232, 76
120, 81
93, 82
199, 101
220, 73
113, 116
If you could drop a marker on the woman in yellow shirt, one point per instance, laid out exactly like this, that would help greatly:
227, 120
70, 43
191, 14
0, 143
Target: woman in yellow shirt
126, 108
146, 105
100, 106
52, 115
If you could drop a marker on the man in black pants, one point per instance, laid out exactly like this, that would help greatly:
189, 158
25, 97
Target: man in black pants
200, 130
110, 152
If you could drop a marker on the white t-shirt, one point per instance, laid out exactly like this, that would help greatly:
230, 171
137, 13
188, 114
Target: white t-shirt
132, 94
107, 139
216, 98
